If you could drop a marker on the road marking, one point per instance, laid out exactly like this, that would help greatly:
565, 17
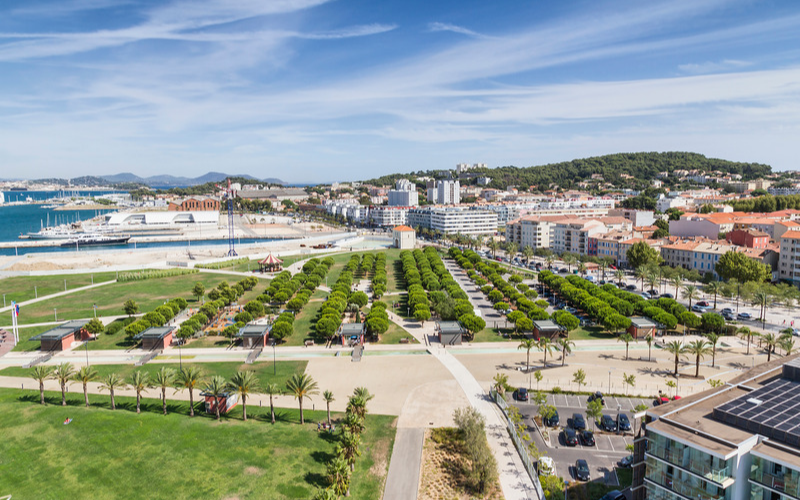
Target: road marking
612, 444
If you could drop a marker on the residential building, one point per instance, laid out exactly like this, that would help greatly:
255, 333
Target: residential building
637, 217
444, 192
694, 225
781, 227
750, 238
274, 194
452, 220
789, 259
534, 230
783, 191
465, 167
740, 441
389, 216
700, 255
404, 195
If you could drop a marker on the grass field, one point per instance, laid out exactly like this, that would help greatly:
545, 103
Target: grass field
110, 455
109, 299
590, 333
22, 288
262, 369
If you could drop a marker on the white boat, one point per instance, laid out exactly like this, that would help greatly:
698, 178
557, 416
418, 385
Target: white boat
95, 239
2, 198
53, 233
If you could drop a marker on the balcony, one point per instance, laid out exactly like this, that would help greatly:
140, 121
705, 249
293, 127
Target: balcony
787, 483
696, 466
681, 487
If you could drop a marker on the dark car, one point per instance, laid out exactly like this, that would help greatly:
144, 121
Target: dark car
521, 394
552, 421
601, 282
581, 470
653, 292
570, 437
630, 287
597, 396
608, 424
578, 422
727, 310
563, 270
624, 423
613, 495
744, 315
626, 462
667, 296
588, 438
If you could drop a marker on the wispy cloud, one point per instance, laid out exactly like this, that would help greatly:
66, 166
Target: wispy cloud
713, 67
434, 27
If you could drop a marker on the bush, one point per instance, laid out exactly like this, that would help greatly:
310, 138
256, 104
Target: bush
557, 390
153, 273
223, 263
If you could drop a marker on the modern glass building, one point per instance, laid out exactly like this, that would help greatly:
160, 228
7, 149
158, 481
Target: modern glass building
740, 441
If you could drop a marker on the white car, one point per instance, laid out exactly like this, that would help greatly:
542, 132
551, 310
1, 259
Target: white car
546, 466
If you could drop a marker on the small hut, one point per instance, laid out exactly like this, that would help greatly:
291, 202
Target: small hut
226, 401
642, 327
254, 336
156, 337
61, 337
546, 328
450, 332
270, 264
352, 333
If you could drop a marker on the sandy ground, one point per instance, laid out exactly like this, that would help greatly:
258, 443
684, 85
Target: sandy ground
609, 364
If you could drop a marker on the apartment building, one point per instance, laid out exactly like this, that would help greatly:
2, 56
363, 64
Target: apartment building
452, 220
534, 230
637, 217
700, 255
789, 259
740, 441
389, 216
444, 192
750, 238
404, 195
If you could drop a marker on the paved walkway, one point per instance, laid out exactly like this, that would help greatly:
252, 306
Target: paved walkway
402, 481
59, 294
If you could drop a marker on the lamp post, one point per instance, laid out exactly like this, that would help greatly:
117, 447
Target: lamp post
274, 369
94, 306
55, 313
609, 381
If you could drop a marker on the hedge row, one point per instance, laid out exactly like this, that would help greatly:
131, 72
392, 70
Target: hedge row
157, 317
223, 263
152, 274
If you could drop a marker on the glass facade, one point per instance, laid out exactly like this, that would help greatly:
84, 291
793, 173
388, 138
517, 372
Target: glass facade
780, 479
682, 482
691, 459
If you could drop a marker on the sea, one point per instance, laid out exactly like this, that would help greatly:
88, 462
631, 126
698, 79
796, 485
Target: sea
30, 217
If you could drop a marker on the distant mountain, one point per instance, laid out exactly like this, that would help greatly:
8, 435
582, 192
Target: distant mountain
173, 181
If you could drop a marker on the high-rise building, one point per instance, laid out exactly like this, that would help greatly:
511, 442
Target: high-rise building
444, 192
404, 195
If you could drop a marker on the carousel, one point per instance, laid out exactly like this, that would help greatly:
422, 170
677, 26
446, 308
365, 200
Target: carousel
270, 264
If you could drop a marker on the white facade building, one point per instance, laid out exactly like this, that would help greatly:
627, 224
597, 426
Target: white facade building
404, 195
454, 220
444, 192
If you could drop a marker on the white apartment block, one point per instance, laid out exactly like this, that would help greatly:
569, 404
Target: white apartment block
533, 231
404, 195
701, 256
444, 192
454, 220
465, 167
638, 218
789, 260
389, 216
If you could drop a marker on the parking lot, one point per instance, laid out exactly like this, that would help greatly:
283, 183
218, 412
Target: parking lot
609, 447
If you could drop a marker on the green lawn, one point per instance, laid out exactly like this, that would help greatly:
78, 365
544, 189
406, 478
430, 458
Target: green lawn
590, 333
497, 335
22, 288
262, 369
394, 334
121, 454
109, 299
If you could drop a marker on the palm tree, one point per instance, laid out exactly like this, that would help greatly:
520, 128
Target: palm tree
327, 396
641, 273
699, 349
165, 377
63, 373
582, 269
364, 393
40, 373
713, 340
493, 246
357, 405
527, 252
111, 382
677, 349
349, 448
326, 494
627, 338
770, 341
545, 345
676, 281
301, 386
761, 299
649, 339
511, 250
338, 475
85, 375
527, 344
139, 382
189, 378
272, 390
690, 293
216, 387
500, 382
566, 346
746, 332
619, 275
787, 344
244, 383
550, 258
569, 260
714, 288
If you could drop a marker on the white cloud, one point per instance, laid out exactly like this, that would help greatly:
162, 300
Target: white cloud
713, 67
434, 27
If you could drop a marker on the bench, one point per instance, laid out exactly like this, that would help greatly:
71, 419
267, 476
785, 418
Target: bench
309, 343
404, 340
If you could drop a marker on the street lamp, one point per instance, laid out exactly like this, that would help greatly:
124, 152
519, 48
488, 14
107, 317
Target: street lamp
609, 381
273, 357
55, 313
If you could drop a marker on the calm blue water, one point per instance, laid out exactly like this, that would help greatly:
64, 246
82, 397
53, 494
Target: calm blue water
22, 219
132, 246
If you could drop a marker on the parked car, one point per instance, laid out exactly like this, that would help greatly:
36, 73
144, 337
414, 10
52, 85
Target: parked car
578, 422
581, 470
646, 295
608, 424
613, 495
570, 437
521, 394
667, 296
601, 282
623, 422
704, 304
744, 316
626, 462
660, 401
588, 438
553, 421
729, 316
563, 270
700, 309
546, 466
727, 310
597, 395
653, 292
630, 287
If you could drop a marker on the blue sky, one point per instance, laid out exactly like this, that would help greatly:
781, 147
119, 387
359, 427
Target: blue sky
316, 90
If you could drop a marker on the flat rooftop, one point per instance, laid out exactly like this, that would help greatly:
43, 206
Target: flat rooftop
253, 331
546, 325
61, 331
155, 332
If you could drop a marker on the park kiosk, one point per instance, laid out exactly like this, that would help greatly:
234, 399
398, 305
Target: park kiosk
351, 334
254, 336
449, 332
156, 337
61, 337
546, 328
642, 327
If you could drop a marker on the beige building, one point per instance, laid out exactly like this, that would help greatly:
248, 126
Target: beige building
404, 238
